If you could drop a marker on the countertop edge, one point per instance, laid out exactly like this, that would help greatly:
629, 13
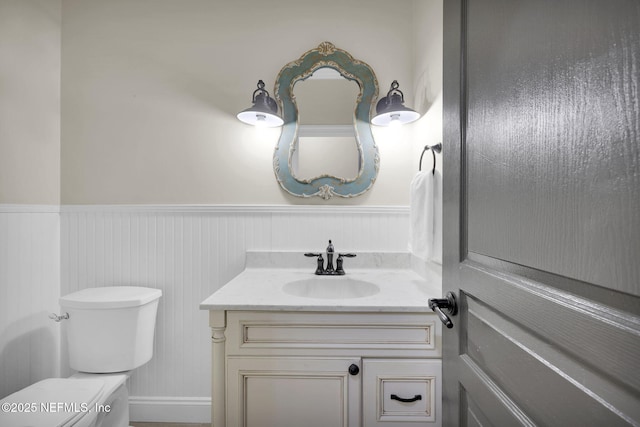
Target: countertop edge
317, 308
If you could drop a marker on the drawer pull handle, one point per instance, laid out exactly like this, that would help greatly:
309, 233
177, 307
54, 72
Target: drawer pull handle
400, 399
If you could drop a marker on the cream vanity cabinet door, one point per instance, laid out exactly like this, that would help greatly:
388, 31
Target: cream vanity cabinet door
401, 392
292, 391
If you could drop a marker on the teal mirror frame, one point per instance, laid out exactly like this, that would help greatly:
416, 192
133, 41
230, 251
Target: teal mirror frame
326, 186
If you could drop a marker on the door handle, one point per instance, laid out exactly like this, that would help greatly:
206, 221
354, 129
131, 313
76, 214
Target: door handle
447, 303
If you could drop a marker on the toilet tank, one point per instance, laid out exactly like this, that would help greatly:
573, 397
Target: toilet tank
110, 329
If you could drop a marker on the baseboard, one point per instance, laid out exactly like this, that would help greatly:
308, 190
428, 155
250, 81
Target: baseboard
170, 409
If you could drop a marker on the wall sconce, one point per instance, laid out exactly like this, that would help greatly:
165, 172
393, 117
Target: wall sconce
391, 110
264, 111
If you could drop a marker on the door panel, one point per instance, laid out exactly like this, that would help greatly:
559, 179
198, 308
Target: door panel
474, 417
600, 336
482, 400
512, 356
552, 137
542, 212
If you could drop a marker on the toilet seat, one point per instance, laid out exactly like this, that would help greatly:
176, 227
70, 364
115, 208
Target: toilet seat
53, 402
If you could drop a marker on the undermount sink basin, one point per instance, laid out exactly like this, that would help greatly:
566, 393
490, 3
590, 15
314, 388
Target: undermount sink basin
331, 287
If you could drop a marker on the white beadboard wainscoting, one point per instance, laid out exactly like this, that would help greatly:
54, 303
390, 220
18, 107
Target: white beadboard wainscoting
29, 291
189, 252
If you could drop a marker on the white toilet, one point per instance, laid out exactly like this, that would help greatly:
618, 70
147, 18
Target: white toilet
109, 333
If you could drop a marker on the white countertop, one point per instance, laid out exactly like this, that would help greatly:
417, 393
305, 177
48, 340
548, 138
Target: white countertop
260, 286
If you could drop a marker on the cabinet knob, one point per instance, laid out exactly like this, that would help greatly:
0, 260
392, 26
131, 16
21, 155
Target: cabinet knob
354, 369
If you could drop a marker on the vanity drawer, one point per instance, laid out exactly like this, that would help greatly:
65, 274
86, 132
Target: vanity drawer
361, 334
395, 392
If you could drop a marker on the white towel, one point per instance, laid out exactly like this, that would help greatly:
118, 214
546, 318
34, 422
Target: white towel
425, 241
436, 252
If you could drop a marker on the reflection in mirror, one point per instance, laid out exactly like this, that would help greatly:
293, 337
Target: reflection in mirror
326, 98
326, 142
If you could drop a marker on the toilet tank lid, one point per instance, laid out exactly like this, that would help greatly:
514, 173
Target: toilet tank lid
110, 297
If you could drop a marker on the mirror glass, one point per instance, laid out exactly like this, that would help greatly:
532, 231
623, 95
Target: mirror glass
327, 141
326, 146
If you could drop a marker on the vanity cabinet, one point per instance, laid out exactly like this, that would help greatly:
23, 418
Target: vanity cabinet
284, 391
278, 368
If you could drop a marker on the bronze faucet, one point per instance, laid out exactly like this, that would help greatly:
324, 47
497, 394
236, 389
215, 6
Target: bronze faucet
329, 271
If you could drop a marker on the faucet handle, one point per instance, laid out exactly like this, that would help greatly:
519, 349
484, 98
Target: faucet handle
339, 269
320, 268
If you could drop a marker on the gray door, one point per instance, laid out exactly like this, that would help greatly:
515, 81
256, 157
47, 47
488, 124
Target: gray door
542, 212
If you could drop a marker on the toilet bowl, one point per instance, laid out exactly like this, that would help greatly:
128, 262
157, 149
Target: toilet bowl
83, 400
109, 333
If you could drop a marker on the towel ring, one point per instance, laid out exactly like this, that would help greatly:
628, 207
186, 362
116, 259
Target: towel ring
434, 149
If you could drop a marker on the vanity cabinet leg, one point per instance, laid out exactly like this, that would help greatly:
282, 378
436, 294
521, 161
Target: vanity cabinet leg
217, 322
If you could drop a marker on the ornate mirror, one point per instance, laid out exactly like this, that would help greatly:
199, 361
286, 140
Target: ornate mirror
326, 147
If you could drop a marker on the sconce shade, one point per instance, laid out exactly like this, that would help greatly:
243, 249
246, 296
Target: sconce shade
264, 111
390, 110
